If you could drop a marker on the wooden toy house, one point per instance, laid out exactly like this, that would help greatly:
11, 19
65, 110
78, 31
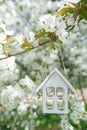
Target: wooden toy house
55, 93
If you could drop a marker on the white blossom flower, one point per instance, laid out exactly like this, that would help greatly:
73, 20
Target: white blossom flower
5, 30
48, 22
19, 38
27, 82
54, 54
22, 108
62, 34
2, 37
65, 123
10, 97
26, 128
31, 37
61, 26
3, 26
78, 110
8, 64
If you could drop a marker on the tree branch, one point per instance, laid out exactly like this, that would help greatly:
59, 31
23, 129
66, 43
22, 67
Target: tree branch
22, 52
54, 127
80, 88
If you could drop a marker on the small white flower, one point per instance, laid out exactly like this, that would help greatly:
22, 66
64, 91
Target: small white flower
22, 109
48, 22
71, 127
26, 81
2, 37
31, 36
3, 26
26, 128
61, 23
54, 54
62, 34
19, 38
10, 97
7, 32
61, 26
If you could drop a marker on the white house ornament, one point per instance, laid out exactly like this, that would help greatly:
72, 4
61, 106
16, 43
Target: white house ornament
55, 93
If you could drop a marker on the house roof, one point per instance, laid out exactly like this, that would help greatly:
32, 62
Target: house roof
61, 76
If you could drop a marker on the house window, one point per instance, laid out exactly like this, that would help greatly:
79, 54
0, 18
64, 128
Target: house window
59, 91
55, 98
50, 103
50, 91
60, 101
60, 104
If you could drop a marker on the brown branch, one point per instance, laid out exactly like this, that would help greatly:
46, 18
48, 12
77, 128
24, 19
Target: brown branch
54, 127
81, 91
24, 51
70, 27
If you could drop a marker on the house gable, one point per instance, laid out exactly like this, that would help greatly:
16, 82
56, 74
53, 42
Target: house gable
56, 77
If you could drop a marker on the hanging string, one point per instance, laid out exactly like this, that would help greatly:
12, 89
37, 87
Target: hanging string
62, 60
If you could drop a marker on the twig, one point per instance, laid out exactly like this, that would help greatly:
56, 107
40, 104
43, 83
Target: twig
70, 27
80, 86
22, 52
54, 127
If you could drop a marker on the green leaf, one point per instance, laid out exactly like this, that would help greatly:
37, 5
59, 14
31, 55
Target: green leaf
10, 40
73, 124
64, 11
40, 33
59, 41
85, 1
25, 46
21, 8
1, 30
82, 3
51, 45
85, 106
6, 52
45, 40
78, 4
84, 13
83, 124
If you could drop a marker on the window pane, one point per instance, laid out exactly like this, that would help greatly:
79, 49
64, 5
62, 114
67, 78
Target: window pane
59, 91
50, 91
60, 104
49, 104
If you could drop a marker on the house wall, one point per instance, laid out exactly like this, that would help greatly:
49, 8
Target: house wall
55, 81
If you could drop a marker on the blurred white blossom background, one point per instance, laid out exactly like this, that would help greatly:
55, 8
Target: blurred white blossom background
20, 75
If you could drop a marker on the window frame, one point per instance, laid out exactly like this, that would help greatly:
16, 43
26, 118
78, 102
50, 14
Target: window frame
49, 89
51, 107
60, 95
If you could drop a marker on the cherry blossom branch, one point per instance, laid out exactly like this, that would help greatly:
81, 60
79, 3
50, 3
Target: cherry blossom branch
22, 52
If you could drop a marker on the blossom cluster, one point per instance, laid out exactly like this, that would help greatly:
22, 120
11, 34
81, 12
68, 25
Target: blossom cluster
52, 24
76, 113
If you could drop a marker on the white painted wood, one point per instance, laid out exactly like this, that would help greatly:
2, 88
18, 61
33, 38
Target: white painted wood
56, 80
61, 76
